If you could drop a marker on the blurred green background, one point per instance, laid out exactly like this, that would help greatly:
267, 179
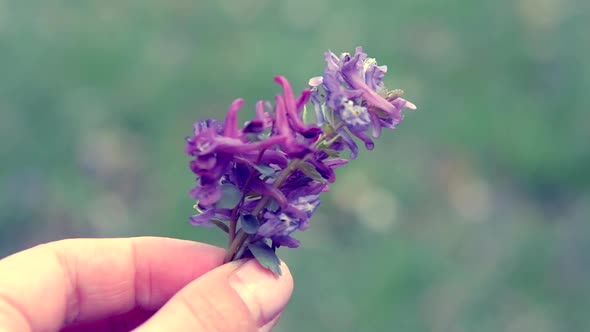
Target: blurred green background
472, 216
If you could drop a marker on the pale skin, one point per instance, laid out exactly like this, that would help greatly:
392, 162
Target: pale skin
140, 284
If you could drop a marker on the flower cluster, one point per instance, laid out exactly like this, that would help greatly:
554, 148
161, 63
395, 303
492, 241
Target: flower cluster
262, 181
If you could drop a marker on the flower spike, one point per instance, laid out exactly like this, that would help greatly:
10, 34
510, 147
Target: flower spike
262, 183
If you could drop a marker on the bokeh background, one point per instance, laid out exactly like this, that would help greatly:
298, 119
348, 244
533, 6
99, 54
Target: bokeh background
472, 216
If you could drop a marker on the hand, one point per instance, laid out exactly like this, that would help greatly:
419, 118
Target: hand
152, 284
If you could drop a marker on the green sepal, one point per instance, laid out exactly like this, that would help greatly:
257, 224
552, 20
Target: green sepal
272, 205
230, 197
332, 153
266, 257
307, 116
220, 224
265, 170
249, 223
310, 170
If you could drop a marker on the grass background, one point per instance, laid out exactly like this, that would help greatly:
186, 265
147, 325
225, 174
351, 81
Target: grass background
472, 216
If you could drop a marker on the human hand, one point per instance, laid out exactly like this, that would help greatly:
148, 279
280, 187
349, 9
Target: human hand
152, 284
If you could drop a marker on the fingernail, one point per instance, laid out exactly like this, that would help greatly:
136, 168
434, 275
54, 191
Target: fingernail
264, 294
270, 325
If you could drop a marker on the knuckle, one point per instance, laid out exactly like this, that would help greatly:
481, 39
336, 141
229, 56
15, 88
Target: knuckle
12, 318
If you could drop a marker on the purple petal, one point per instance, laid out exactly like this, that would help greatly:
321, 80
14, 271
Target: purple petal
262, 121
199, 126
273, 157
288, 95
205, 142
319, 109
272, 226
336, 162
205, 162
263, 113
369, 145
292, 108
349, 142
303, 99
231, 120
374, 76
356, 117
254, 126
281, 121
269, 157
376, 123
310, 189
207, 195
306, 204
234, 146
285, 241
202, 219
325, 171
266, 189
293, 148
400, 103
221, 166
354, 78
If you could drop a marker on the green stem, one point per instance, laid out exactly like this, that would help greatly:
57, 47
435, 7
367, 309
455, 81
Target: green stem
220, 224
235, 246
232, 225
242, 239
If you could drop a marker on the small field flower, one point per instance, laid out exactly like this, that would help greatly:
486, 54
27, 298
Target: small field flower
262, 182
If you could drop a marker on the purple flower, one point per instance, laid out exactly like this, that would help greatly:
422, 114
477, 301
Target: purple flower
207, 194
349, 143
373, 74
285, 241
210, 138
266, 189
280, 224
359, 79
293, 109
291, 145
265, 179
294, 217
205, 217
303, 196
353, 71
356, 117
214, 147
262, 121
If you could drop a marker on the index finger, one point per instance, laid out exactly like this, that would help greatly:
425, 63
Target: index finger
59, 283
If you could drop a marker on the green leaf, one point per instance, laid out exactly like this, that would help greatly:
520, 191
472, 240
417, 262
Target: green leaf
309, 170
332, 153
230, 197
266, 257
307, 116
272, 205
220, 224
249, 224
393, 94
265, 170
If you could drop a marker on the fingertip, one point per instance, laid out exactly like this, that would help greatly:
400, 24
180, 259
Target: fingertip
265, 294
270, 325
238, 296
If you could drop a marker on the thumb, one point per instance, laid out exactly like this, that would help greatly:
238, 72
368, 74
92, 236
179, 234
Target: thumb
236, 297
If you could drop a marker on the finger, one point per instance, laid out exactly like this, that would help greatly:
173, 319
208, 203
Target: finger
270, 325
125, 322
52, 285
236, 297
